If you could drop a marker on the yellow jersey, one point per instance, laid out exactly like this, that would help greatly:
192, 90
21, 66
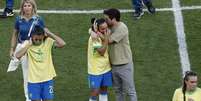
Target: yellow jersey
97, 64
40, 62
195, 96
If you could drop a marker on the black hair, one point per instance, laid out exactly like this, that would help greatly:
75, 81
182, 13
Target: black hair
98, 22
38, 30
112, 13
186, 78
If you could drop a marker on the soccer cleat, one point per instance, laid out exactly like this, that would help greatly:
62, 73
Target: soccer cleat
138, 14
151, 9
7, 13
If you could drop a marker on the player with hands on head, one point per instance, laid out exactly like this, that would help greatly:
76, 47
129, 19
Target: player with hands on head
41, 69
24, 25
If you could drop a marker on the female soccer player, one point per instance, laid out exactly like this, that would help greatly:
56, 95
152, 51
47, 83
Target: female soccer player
41, 70
99, 69
189, 91
24, 23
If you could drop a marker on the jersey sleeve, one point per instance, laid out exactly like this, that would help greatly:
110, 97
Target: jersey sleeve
118, 35
17, 22
50, 42
175, 96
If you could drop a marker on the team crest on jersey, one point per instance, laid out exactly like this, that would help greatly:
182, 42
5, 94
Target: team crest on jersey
39, 55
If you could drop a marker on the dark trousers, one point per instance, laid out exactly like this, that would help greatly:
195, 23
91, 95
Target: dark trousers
137, 4
9, 4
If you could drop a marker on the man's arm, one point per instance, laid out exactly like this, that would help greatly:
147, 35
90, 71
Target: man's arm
117, 35
59, 42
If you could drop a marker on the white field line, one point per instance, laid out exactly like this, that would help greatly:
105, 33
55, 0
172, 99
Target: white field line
101, 11
184, 59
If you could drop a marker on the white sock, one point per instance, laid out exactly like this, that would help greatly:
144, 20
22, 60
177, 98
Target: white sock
103, 97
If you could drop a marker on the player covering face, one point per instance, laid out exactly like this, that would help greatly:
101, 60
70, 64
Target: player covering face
99, 69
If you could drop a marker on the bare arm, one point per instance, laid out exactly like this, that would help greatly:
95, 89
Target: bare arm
105, 40
23, 51
59, 41
13, 42
103, 49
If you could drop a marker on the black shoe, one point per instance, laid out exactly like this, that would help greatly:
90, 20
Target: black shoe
151, 8
138, 14
7, 13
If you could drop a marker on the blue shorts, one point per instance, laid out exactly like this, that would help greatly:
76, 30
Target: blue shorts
97, 81
42, 90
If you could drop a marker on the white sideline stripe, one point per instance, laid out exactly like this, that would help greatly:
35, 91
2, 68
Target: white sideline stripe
190, 7
184, 59
101, 11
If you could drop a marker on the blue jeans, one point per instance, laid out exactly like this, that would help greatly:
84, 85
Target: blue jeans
9, 4
137, 4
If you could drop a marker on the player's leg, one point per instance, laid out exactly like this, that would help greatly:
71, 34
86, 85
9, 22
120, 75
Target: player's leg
128, 81
8, 11
9, 4
24, 63
117, 83
47, 90
149, 5
103, 94
106, 82
34, 90
93, 94
137, 5
94, 85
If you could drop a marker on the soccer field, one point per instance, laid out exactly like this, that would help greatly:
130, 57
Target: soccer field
153, 40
